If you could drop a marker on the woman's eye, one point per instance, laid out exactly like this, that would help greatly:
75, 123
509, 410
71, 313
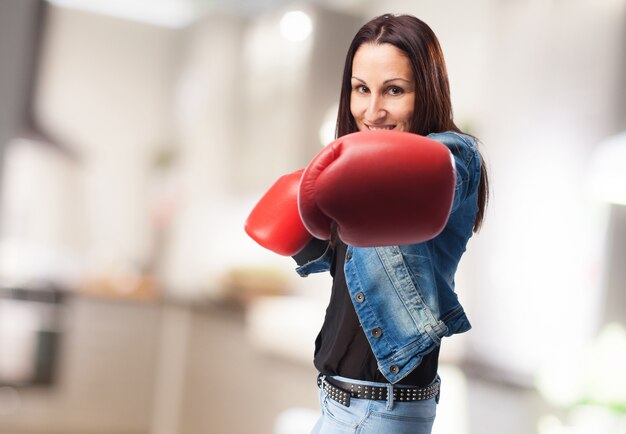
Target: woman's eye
395, 90
361, 89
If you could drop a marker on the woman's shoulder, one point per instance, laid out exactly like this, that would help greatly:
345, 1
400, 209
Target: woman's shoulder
461, 145
452, 138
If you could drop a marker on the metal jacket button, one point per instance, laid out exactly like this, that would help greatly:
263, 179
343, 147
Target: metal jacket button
348, 256
360, 297
377, 332
394, 369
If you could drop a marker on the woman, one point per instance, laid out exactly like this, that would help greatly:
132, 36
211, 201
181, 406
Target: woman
377, 351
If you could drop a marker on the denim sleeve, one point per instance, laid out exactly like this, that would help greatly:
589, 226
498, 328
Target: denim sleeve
314, 258
467, 162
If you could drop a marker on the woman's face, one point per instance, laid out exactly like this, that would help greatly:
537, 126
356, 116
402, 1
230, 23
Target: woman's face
383, 88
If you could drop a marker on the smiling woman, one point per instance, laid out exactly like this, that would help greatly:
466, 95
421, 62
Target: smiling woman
388, 209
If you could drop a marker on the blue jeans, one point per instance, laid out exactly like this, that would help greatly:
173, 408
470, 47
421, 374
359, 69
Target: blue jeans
367, 416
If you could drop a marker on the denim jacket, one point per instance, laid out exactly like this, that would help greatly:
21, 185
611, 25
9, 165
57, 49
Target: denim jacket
404, 295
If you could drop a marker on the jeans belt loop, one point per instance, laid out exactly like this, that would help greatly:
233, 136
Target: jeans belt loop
389, 397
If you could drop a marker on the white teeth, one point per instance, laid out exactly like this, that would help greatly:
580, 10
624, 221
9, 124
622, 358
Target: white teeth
380, 128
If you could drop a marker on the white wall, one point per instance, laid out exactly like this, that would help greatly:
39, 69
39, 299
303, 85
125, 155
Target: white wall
105, 89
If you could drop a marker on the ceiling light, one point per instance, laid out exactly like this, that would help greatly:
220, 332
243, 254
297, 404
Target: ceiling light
166, 13
296, 26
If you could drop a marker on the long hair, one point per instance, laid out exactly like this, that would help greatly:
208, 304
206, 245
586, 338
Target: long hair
433, 107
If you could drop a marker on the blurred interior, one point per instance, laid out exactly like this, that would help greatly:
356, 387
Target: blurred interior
135, 136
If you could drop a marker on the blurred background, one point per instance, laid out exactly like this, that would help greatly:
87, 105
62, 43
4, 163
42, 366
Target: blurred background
136, 135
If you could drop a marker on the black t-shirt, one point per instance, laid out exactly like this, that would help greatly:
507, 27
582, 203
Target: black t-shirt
341, 347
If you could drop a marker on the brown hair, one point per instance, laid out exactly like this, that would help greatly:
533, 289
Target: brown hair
433, 107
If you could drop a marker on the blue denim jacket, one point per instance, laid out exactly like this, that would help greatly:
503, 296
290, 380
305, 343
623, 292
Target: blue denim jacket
404, 295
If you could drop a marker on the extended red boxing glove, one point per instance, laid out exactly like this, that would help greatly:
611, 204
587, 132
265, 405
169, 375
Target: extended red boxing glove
380, 187
274, 222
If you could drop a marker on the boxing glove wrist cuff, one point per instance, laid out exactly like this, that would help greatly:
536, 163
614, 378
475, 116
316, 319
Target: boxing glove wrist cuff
313, 250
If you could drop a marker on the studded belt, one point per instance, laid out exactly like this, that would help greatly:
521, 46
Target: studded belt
342, 391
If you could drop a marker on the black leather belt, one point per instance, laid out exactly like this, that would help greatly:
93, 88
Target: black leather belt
342, 391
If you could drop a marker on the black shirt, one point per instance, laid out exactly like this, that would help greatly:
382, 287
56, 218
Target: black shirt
341, 347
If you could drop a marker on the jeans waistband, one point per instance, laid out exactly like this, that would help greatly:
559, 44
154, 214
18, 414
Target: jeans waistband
342, 389
374, 383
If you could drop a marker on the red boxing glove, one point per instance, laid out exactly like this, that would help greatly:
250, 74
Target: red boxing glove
380, 187
274, 222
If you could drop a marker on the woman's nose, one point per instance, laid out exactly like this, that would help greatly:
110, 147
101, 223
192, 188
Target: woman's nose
375, 109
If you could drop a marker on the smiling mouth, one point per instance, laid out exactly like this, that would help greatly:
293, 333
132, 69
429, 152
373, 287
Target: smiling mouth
380, 127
